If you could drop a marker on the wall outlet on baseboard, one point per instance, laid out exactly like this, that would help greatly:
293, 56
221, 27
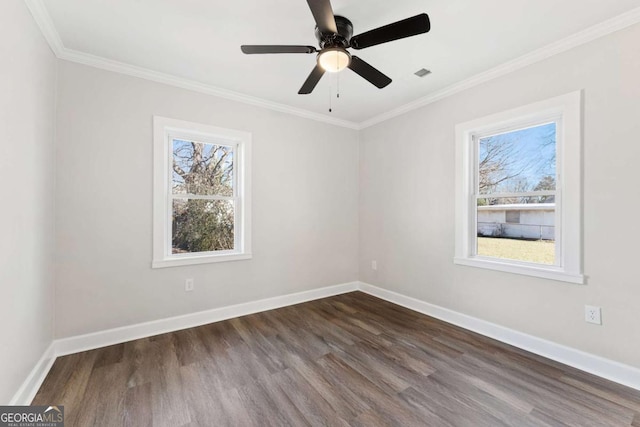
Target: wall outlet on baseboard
593, 314
374, 265
188, 285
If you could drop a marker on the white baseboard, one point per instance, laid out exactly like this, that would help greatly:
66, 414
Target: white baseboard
30, 386
596, 365
142, 330
91, 341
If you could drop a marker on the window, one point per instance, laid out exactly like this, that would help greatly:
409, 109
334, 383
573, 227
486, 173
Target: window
201, 194
518, 190
512, 216
515, 174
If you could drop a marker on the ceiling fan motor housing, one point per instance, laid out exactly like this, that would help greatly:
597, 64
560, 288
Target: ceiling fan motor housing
342, 39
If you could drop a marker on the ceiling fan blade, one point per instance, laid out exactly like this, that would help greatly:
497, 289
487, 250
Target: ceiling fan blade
369, 73
253, 49
418, 24
323, 14
312, 80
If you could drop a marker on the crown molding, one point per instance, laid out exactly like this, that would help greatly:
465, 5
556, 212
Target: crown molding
602, 29
168, 79
43, 19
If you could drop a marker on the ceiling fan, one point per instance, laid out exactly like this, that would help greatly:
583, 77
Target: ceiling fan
335, 36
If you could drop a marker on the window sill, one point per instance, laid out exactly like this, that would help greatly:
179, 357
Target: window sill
553, 273
177, 262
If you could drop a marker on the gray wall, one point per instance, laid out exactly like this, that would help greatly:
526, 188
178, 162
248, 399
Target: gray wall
407, 206
27, 79
305, 204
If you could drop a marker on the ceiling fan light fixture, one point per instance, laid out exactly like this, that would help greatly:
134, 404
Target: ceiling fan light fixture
334, 60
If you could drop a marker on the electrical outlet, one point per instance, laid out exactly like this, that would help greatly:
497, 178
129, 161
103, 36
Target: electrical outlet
188, 285
374, 265
593, 314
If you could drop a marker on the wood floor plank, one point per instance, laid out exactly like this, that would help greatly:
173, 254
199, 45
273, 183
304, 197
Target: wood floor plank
109, 355
618, 398
236, 413
497, 408
189, 347
498, 389
137, 355
283, 403
346, 360
167, 392
448, 408
550, 397
376, 369
260, 406
201, 396
307, 400
67, 382
105, 392
574, 397
384, 402
137, 406
312, 373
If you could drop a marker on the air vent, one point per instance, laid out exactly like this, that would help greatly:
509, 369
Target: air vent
422, 72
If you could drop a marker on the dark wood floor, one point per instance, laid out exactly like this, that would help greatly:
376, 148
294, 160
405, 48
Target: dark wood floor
346, 360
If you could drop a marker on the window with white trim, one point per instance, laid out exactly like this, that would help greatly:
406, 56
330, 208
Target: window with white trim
518, 190
201, 194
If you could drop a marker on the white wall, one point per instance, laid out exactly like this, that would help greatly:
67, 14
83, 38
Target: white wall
305, 204
407, 206
27, 92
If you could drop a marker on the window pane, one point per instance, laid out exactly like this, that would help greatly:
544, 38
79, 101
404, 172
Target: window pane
510, 229
202, 225
202, 169
517, 161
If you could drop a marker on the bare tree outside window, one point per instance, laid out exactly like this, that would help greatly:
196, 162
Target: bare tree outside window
517, 162
203, 215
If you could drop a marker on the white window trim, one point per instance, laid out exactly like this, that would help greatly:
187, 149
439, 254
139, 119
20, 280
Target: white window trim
164, 129
568, 109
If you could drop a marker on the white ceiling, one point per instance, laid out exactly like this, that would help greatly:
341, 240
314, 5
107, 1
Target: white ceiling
200, 40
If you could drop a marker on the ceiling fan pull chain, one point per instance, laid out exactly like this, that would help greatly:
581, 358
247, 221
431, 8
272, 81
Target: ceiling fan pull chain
338, 86
330, 99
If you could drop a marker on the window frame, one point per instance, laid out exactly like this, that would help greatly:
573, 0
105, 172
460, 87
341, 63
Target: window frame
566, 112
165, 131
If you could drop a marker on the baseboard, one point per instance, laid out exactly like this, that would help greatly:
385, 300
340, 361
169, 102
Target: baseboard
599, 366
62, 347
142, 330
31, 385
596, 365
